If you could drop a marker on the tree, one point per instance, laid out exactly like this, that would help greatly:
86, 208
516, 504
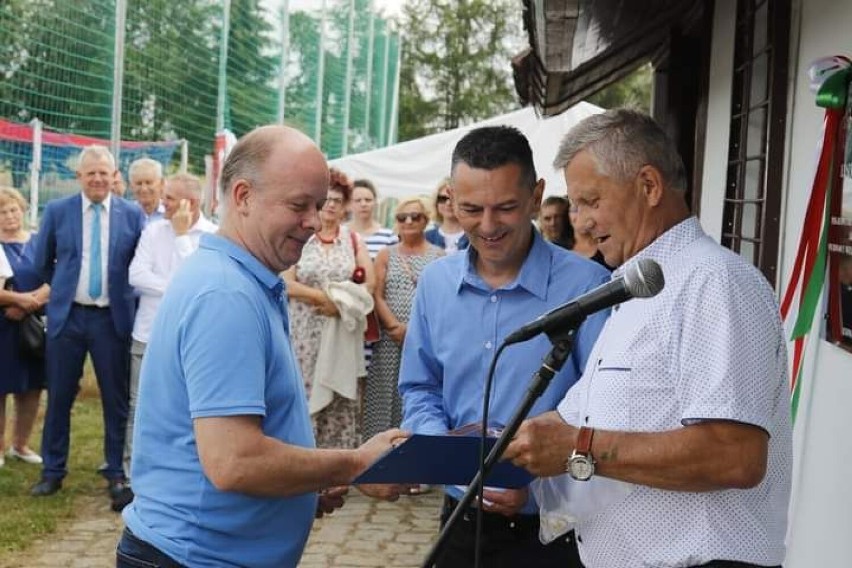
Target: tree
634, 91
252, 68
170, 71
41, 40
455, 64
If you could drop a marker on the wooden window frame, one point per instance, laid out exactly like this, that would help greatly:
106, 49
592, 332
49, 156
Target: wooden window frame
770, 157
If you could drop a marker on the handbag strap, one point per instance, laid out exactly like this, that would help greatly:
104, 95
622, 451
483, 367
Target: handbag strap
354, 240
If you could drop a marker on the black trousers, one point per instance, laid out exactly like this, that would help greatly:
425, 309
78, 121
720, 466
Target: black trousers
507, 542
133, 552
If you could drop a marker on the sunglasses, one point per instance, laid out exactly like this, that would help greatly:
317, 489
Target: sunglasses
443, 198
414, 217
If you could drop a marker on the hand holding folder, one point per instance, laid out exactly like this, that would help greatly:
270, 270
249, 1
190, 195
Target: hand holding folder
450, 459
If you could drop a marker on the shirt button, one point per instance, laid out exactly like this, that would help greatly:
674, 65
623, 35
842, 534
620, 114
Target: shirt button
493, 299
488, 345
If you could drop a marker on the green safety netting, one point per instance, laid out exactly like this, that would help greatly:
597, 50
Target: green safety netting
58, 57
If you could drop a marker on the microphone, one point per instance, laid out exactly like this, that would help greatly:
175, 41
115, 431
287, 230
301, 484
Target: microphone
643, 279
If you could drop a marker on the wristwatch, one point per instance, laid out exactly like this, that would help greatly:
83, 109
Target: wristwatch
581, 464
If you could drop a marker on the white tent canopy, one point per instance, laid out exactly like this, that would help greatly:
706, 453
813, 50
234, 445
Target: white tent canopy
416, 167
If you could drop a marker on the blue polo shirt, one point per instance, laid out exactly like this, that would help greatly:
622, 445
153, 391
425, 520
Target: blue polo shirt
219, 347
458, 321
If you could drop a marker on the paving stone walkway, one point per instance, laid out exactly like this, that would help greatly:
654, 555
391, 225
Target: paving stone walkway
365, 532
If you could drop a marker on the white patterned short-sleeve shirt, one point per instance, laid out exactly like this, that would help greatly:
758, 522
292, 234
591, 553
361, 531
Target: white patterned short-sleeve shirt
709, 346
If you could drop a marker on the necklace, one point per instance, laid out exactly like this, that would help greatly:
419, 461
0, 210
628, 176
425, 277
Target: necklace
325, 241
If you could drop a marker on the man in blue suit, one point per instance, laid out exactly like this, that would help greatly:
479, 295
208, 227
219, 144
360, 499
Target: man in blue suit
84, 249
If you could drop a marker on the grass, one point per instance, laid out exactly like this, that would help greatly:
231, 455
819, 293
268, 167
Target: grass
24, 518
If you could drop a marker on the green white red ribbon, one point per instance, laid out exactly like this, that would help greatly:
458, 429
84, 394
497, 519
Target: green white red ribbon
832, 76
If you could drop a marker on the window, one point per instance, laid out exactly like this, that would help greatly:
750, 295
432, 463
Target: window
752, 206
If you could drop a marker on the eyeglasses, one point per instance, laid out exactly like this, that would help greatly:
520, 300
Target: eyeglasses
414, 217
335, 200
443, 198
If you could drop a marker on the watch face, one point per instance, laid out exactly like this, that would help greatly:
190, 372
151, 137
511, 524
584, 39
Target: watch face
581, 468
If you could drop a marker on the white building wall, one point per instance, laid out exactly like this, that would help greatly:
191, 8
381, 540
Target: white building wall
821, 510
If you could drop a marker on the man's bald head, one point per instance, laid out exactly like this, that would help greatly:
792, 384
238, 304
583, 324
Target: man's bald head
274, 182
252, 152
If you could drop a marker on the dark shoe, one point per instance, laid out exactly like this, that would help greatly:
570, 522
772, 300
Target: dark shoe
102, 469
46, 487
120, 494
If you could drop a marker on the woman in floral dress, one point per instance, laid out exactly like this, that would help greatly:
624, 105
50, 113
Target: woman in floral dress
329, 256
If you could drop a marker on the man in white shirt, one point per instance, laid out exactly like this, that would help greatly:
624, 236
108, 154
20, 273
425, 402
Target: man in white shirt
146, 182
684, 399
163, 247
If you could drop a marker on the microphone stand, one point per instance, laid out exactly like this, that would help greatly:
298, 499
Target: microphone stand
563, 343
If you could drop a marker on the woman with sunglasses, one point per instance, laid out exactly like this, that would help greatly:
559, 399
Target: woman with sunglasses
397, 270
330, 255
448, 234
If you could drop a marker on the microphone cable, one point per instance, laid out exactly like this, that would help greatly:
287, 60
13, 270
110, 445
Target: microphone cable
486, 402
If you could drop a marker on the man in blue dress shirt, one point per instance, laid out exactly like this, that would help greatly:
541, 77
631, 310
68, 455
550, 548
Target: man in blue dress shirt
465, 306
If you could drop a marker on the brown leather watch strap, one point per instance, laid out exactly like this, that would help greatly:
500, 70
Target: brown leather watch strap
584, 441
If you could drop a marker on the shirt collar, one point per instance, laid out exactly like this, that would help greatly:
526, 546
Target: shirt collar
160, 211
200, 224
529, 277
665, 247
240, 255
87, 202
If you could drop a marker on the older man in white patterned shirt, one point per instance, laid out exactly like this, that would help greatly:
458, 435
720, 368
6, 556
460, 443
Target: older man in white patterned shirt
684, 399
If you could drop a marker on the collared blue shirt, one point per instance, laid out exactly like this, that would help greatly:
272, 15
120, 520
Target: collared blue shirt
219, 347
458, 321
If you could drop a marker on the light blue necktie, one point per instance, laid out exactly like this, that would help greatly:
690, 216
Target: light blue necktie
95, 256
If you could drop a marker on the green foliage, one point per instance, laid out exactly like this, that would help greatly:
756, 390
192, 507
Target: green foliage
634, 91
41, 38
456, 62
252, 68
170, 70
56, 64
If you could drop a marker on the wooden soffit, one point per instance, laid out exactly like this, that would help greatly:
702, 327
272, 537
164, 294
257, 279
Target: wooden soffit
577, 47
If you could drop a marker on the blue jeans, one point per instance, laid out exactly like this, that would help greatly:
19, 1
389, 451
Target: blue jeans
135, 553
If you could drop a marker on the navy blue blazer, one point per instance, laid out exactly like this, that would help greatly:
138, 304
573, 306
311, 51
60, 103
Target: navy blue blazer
59, 249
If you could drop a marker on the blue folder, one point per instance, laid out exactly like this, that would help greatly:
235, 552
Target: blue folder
441, 460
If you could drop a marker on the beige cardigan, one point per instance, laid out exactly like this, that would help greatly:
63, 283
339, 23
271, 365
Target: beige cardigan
340, 359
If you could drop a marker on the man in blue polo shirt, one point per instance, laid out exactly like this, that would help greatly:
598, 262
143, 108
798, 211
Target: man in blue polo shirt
466, 305
224, 466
